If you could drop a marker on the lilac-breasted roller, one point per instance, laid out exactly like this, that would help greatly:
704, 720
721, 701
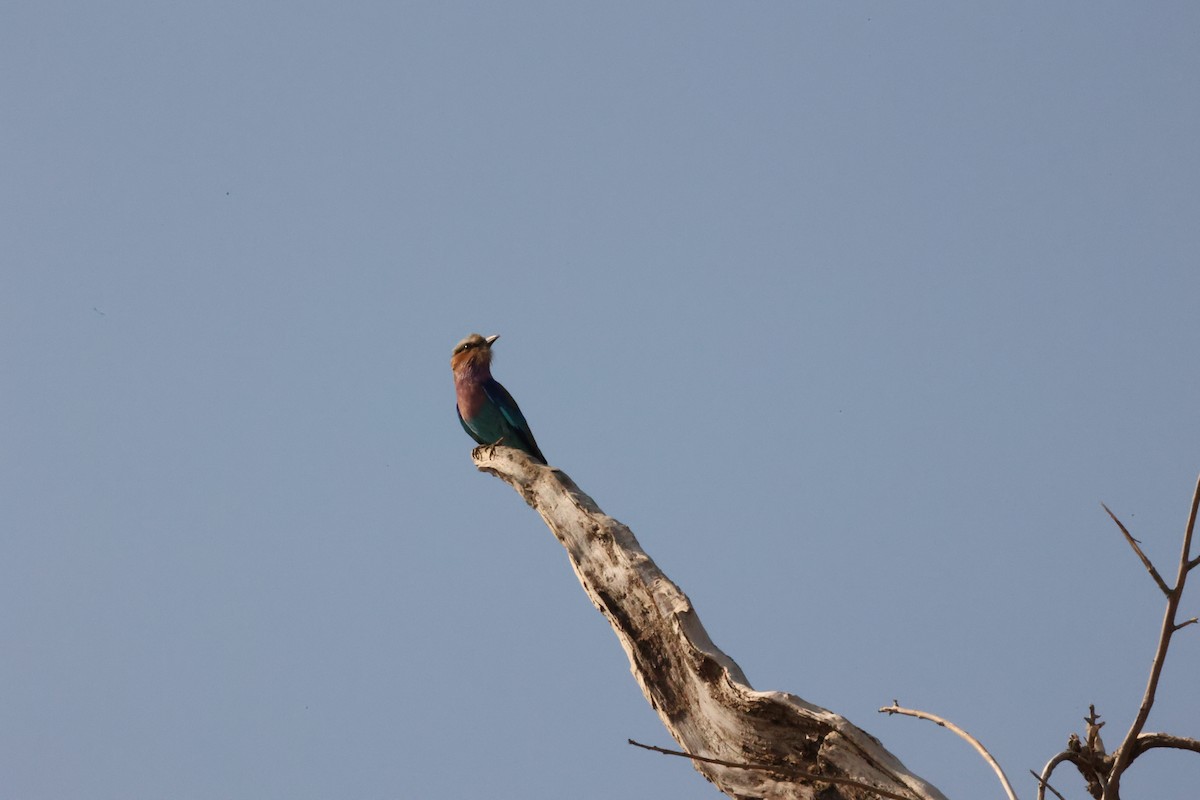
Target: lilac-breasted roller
485, 408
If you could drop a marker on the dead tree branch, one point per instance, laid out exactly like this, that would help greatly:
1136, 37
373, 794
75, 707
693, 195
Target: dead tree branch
1047, 771
700, 694
1129, 748
895, 708
1043, 786
1148, 741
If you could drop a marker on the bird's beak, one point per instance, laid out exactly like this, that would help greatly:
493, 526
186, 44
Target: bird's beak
491, 339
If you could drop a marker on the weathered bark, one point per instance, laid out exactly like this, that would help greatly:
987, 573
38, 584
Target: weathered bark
798, 750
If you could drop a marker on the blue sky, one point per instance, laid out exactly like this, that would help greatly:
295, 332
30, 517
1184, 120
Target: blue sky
853, 312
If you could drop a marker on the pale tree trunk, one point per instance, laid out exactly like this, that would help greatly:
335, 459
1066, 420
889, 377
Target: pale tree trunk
788, 748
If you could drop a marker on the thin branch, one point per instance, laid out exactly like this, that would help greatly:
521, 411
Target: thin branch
1191, 527
1187, 622
895, 708
1048, 770
1043, 785
1137, 549
788, 772
1128, 749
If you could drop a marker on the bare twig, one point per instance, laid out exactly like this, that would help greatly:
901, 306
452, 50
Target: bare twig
1042, 786
1137, 549
776, 770
895, 708
1191, 527
1048, 770
1128, 749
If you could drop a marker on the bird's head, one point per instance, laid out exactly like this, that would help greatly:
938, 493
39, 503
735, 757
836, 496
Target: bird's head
473, 352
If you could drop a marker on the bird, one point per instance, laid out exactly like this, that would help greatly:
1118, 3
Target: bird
486, 410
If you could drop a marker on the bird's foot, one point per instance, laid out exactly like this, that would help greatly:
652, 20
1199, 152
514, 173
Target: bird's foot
491, 448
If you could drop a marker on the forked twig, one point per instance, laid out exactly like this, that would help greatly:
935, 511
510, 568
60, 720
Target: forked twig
1129, 750
895, 708
788, 773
